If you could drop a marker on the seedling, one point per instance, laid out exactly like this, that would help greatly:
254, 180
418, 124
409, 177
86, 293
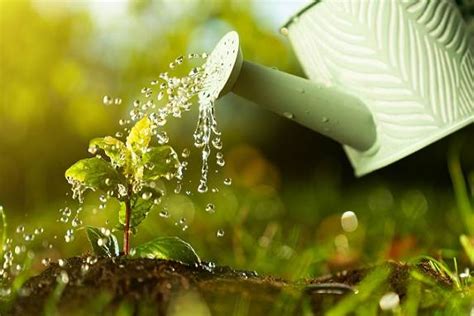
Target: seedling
129, 175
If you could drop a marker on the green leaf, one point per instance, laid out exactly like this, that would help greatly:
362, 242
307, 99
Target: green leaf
468, 247
141, 204
113, 148
172, 248
108, 244
140, 136
94, 173
160, 162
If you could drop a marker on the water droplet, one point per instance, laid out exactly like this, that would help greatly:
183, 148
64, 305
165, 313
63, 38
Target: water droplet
69, 237
84, 268
284, 31
105, 231
162, 137
160, 95
389, 301
220, 233
92, 150
67, 211
217, 143
227, 181
186, 153
102, 242
91, 260
103, 198
179, 60
106, 100
117, 101
61, 262
164, 214
46, 261
122, 190
28, 237
63, 277
147, 195
349, 221
20, 229
39, 231
220, 162
210, 208
325, 119
202, 188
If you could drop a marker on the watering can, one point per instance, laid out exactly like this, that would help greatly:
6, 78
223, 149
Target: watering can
386, 78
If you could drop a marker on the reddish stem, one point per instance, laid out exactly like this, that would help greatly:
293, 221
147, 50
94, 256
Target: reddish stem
126, 229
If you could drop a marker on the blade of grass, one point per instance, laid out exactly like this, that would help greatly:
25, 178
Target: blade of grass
460, 188
4, 229
50, 307
443, 269
365, 289
412, 302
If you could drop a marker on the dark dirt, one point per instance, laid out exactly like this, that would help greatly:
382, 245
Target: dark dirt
156, 287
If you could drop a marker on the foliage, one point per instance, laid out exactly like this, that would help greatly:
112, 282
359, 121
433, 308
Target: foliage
103, 244
129, 176
166, 248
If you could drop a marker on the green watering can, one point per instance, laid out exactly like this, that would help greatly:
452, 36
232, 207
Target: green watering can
386, 78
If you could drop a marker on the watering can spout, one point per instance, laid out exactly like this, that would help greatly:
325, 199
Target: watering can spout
327, 110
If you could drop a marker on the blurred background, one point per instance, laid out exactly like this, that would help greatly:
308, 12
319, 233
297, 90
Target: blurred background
290, 185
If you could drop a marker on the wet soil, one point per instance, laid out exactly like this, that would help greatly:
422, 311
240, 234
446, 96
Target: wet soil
160, 287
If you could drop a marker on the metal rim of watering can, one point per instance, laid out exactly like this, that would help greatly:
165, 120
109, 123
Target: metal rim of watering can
295, 17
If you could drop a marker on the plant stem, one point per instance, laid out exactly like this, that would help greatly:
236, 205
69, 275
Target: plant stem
126, 229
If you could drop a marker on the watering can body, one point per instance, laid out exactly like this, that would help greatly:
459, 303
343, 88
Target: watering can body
411, 62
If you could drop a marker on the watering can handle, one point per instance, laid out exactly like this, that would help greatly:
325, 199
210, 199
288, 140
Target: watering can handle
327, 110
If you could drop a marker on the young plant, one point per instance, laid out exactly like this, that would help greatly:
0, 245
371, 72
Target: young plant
129, 175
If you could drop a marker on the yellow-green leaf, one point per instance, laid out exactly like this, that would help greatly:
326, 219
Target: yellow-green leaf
160, 162
141, 205
140, 135
102, 244
94, 173
113, 148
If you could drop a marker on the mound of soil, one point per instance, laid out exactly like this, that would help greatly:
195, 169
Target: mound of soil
160, 287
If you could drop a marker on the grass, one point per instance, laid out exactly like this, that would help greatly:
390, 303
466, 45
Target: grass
296, 238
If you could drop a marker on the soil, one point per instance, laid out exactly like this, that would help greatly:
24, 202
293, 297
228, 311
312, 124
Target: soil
160, 287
